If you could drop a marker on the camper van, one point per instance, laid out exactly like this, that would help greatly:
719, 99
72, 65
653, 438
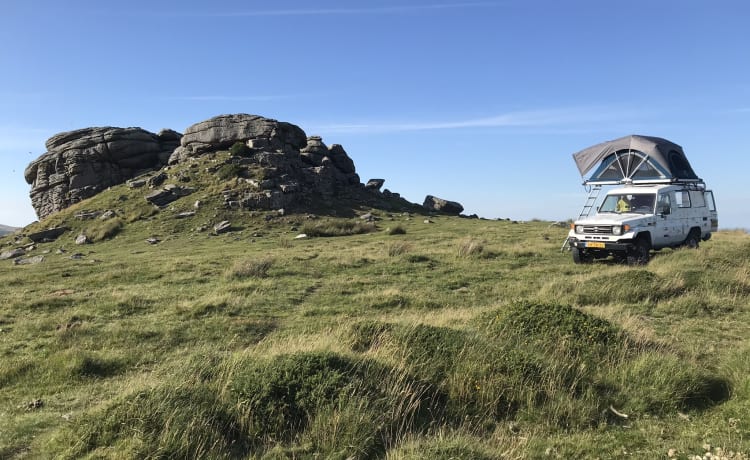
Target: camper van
657, 202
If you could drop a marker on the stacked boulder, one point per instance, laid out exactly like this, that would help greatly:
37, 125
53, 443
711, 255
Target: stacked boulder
79, 164
297, 168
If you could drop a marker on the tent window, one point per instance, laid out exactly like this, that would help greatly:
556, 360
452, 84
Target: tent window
630, 164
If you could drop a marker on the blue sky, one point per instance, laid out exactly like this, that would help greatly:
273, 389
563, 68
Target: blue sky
481, 102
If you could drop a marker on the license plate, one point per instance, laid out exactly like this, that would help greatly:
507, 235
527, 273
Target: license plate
595, 245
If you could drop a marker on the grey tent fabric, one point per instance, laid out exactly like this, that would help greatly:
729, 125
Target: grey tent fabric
637, 156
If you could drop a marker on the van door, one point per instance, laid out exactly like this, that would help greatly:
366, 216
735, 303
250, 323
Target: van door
681, 213
709, 196
662, 235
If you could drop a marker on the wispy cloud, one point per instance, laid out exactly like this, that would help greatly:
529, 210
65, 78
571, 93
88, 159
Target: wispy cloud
354, 11
552, 118
224, 98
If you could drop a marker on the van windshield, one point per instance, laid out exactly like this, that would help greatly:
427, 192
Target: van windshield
641, 203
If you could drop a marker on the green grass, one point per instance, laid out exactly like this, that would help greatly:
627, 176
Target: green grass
455, 339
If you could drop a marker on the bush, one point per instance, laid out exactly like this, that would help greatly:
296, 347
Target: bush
366, 334
468, 247
555, 326
104, 230
397, 230
398, 248
164, 422
251, 268
229, 171
240, 149
329, 228
301, 397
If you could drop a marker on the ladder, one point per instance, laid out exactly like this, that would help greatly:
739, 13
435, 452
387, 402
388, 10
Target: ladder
586, 210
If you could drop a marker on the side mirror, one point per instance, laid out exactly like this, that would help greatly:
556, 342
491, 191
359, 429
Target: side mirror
664, 211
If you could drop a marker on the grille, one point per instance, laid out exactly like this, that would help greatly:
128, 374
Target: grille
597, 229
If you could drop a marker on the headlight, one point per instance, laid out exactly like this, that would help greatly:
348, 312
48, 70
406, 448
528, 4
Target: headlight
579, 228
617, 230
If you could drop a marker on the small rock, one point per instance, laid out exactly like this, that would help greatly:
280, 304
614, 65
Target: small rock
137, 183
301, 236
48, 235
29, 261
12, 254
82, 239
87, 215
222, 227
152, 240
368, 217
77, 256
107, 215
35, 404
375, 184
157, 180
197, 204
183, 215
671, 453
427, 221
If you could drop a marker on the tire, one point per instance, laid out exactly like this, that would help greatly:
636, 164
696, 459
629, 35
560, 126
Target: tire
693, 239
641, 252
580, 256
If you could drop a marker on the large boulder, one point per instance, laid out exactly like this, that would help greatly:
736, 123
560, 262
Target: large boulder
79, 164
434, 203
220, 133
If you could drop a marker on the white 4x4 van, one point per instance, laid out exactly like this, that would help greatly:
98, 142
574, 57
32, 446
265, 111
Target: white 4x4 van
661, 202
633, 220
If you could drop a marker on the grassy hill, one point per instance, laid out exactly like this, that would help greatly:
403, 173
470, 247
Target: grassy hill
412, 337
5, 229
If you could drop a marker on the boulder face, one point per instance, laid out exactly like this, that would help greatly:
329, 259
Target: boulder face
79, 164
297, 169
433, 203
220, 133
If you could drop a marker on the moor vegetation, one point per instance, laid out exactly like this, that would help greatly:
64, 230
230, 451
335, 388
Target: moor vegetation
413, 337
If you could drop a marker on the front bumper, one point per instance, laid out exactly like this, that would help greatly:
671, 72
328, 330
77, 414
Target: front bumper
604, 246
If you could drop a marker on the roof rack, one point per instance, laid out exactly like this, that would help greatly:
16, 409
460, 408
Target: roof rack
696, 183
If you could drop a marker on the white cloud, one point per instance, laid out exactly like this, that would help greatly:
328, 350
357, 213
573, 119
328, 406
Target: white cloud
552, 118
355, 11
221, 98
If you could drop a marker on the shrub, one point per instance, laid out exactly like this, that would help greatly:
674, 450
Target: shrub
397, 230
304, 394
398, 248
555, 326
104, 230
164, 422
229, 171
329, 228
468, 247
251, 268
365, 334
240, 149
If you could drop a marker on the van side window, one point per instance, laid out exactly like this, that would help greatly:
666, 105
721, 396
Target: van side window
699, 201
664, 205
682, 198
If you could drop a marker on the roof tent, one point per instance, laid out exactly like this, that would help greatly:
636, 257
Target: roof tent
635, 159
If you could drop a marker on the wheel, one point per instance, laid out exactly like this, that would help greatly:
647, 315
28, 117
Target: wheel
580, 256
692, 240
641, 253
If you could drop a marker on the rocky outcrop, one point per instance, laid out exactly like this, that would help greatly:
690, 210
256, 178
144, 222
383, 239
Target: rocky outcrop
296, 168
220, 133
79, 164
434, 203
274, 163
